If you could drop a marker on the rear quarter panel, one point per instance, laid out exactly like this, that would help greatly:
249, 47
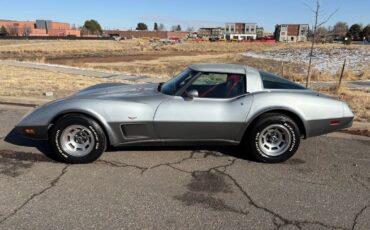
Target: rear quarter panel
312, 108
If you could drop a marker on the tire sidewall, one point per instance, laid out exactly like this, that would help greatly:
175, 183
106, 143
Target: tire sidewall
262, 124
98, 135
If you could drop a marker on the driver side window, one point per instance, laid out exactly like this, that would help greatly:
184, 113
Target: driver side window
218, 85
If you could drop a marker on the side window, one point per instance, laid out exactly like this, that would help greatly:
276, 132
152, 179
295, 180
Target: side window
210, 79
271, 81
219, 85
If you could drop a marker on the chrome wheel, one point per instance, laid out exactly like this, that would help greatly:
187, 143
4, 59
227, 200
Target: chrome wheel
77, 140
274, 140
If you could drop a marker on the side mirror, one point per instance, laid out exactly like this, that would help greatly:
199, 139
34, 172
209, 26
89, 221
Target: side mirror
192, 93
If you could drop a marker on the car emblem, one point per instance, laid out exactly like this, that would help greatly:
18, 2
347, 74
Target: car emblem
132, 118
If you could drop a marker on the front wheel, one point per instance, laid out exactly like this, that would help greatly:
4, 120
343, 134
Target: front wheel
273, 138
77, 139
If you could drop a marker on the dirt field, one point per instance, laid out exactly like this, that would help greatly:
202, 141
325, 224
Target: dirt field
143, 57
25, 82
32, 50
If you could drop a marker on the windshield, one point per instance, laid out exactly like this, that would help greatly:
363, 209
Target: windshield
176, 83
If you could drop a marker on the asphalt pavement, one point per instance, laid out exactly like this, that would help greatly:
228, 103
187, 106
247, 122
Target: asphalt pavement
326, 185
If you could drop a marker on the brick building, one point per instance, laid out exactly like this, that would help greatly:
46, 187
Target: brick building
146, 34
39, 28
291, 32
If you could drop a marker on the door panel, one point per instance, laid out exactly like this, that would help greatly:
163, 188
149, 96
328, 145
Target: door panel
201, 118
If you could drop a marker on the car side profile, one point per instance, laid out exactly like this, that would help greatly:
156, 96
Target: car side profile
206, 104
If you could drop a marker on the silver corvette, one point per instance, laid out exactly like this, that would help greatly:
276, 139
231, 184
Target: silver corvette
206, 104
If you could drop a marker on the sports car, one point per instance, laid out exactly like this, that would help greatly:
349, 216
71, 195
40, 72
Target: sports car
206, 104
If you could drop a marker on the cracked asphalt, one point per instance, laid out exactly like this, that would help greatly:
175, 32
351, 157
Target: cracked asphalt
326, 185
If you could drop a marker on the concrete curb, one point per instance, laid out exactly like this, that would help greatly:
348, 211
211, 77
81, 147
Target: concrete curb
79, 71
24, 101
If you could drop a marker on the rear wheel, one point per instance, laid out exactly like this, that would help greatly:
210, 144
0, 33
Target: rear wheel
77, 139
273, 138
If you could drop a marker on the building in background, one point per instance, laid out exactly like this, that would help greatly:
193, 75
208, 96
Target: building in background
241, 31
39, 28
291, 32
260, 32
211, 32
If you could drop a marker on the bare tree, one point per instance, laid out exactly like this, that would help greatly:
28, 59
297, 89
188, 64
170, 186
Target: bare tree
26, 31
12, 30
340, 29
321, 34
316, 11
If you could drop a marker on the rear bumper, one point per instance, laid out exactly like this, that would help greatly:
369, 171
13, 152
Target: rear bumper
320, 127
39, 132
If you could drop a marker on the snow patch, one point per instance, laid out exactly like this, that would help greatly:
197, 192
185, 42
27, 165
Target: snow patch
324, 60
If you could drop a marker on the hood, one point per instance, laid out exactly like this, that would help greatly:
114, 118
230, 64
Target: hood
118, 90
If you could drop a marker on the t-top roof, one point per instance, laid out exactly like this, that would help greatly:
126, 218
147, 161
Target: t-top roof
222, 68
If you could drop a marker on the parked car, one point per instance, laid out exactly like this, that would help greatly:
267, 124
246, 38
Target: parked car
206, 104
214, 39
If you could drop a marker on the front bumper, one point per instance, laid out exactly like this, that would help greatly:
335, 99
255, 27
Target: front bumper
33, 132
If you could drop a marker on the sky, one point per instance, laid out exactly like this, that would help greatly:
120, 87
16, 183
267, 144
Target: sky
125, 14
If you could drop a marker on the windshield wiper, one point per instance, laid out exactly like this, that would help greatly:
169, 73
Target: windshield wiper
160, 86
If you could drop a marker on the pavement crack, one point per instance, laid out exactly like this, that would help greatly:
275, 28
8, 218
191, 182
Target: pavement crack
224, 167
358, 215
180, 170
52, 184
191, 156
121, 165
144, 169
171, 164
278, 220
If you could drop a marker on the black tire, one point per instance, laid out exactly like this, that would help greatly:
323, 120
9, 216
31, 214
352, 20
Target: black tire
256, 140
92, 127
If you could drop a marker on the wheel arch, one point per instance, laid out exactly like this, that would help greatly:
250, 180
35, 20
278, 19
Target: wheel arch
82, 113
291, 114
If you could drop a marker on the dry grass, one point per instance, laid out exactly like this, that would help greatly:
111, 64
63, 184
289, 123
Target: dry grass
25, 82
358, 101
69, 48
61, 47
65, 48
166, 67
155, 59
